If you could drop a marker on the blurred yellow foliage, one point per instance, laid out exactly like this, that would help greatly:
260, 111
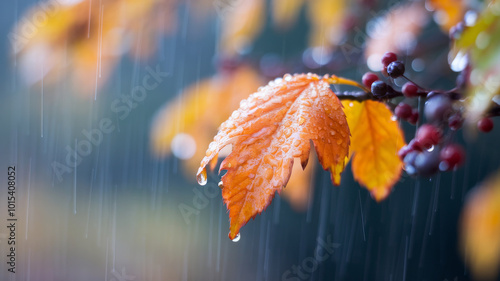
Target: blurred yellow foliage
88, 37
480, 230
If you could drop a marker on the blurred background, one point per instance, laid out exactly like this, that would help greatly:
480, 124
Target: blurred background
107, 108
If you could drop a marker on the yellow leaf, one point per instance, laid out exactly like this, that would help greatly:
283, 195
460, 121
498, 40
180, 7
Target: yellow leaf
285, 12
242, 21
481, 43
326, 18
375, 142
89, 36
199, 111
480, 230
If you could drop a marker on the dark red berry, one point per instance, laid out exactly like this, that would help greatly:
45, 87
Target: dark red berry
384, 71
416, 145
409, 162
452, 156
410, 90
403, 110
455, 122
428, 135
388, 58
369, 78
396, 69
414, 117
485, 125
379, 88
413, 145
438, 108
427, 163
404, 151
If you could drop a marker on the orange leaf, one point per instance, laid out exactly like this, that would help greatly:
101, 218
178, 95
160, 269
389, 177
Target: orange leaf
271, 128
375, 142
480, 230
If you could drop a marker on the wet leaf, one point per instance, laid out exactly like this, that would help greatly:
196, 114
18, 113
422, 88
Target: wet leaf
271, 128
375, 142
480, 230
481, 43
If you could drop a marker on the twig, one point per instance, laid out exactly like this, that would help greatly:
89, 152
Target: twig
362, 96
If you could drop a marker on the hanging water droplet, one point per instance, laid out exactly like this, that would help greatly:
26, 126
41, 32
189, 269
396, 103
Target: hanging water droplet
287, 77
430, 148
221, 186
237, 238
202, 177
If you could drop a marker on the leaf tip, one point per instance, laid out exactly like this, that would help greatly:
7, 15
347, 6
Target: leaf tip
379, 194
335, 172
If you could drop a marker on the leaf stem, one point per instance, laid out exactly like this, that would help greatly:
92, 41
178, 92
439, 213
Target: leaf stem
344, 81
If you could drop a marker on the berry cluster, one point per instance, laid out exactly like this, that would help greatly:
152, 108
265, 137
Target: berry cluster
426, 153
431, 150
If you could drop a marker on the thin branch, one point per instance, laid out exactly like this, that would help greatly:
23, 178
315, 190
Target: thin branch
363, 96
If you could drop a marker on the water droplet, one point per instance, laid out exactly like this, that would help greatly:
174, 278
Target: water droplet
278, 80
237, 238
287, 77
287, 132
269, 173
351, 104
339, 141
332, 132
430, 148
301, 120
394, 118
221, 186
296, 143
235, 114
202, 177
459, 62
